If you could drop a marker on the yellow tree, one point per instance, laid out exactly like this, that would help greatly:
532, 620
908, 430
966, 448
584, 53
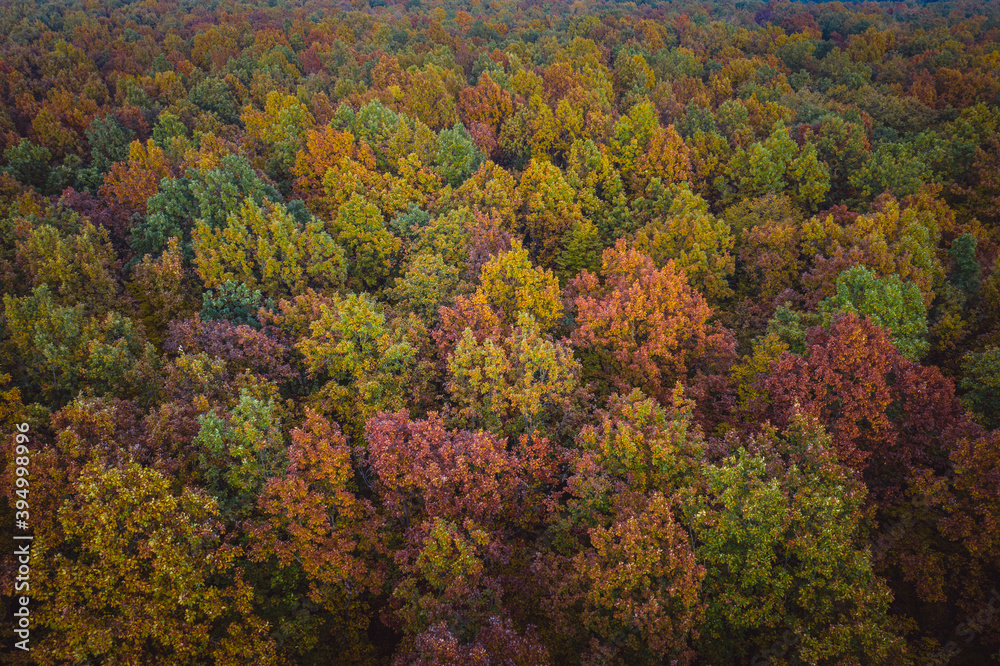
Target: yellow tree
698, 242
140, 577
268, 250
510, 284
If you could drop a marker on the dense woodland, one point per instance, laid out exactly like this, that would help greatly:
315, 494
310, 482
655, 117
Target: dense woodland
503, 332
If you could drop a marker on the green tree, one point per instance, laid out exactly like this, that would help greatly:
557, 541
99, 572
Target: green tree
168, 126
893, 167
371, 250
109, 142
689, 234
236, 302
581, 251
427, 283
63, 350
762, 169
238, 452
265, 248
365, 361
810, 177
965, 271
889, 302
782, 535
548, 210
457, 157
981, 382
28, 163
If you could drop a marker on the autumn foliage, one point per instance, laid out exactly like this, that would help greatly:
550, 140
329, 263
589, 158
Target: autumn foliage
448, 332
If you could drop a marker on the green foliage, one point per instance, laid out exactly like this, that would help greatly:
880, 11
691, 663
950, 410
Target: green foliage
581, 251
371, 250
168, 126
207, 196
410, 223
29, 163
457, 157
764, 167
892, 167
267, 249
366, 361
238, 453
65, 351
689, 234
109, 142
427, 283
524, 383
981, 383
212, 94
236, 303
781, 535
965, 271
810, 176
889, 302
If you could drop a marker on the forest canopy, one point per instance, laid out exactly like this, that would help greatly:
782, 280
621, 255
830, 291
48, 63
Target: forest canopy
502, 332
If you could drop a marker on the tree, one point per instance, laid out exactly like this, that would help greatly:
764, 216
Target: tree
209, 195
427, 284
582, 250
890, 167
620, 582
698, 243
131, 183
79, 268
430, 99
642, 149
458, 497
283, 118
65, 350
487, 105
313, 521
599, 190
352, 164
762, 169
646, 325
365, 361
370, 249
160, 290
492, 189
168, 127
888, 302
981, 383
886, 414
457, 157
239, 452
810, 177
145, 578
780, 532
842, 145
526, 383
769, 233
29, 163
267, 249
631, 596
508, 285
109, 142
548, 210
235, 303
965, 274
